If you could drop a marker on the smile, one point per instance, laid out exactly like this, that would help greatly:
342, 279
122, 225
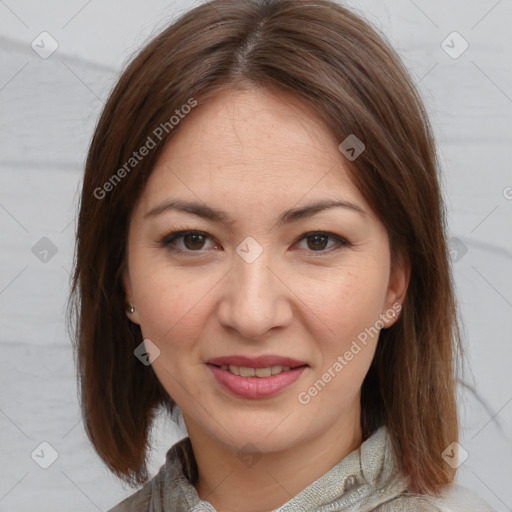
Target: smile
250, 382
245, 371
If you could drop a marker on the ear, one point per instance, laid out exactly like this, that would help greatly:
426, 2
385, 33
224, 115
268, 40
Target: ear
127, 284
399, 278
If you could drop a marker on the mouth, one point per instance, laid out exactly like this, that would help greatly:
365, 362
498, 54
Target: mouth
262, 380
261, 372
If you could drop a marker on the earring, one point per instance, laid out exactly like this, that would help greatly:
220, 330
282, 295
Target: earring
130, 309
393, 314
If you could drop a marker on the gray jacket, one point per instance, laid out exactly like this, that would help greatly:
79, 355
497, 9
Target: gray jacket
358, 483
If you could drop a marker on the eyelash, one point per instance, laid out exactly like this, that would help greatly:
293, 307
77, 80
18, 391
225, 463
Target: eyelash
167, 241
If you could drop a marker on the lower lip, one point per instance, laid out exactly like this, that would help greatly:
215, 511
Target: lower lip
256, 387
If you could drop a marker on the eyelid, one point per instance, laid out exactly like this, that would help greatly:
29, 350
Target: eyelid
167, 240
179, 233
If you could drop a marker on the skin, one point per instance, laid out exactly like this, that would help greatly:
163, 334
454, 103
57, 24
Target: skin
255, 154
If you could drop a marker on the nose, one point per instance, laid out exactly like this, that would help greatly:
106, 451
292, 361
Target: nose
255, 299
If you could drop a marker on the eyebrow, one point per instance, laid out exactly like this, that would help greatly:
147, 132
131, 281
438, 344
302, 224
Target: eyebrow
216, 215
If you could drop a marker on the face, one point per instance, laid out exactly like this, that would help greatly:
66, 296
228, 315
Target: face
252, 278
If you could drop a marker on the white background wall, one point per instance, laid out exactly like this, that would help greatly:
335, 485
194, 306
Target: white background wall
48, 111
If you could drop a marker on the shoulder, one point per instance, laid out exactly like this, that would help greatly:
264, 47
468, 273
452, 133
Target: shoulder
455, 498
143, 499
170, 485
137, 502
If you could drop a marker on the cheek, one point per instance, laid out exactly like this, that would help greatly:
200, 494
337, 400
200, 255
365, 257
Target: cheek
170, 303
344, 312
171, 315
348, 300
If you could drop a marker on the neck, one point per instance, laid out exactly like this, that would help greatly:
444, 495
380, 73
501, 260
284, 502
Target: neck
263, 482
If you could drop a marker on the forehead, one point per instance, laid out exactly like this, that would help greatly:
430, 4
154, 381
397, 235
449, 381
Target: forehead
267, 147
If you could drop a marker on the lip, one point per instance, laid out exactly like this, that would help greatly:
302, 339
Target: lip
256, 387
263, 361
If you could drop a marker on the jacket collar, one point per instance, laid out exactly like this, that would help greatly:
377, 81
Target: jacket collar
364, 479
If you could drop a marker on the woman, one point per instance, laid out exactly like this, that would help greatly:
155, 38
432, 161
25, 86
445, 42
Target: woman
261, 242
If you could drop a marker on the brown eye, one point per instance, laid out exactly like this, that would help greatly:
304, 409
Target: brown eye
318, 242
193, 241
185, 241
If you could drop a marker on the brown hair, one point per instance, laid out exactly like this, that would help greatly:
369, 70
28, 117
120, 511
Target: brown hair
337, 63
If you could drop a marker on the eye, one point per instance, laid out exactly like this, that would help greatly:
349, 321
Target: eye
193, 241
317, 241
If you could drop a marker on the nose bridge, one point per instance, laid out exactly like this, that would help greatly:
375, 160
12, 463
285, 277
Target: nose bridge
254, 300
254, 278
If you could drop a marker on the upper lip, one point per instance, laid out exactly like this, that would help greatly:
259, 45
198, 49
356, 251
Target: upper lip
256, 362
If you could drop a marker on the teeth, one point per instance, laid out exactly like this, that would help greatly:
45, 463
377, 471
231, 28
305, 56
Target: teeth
258, 372
279, 369
245, 372
263, 372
